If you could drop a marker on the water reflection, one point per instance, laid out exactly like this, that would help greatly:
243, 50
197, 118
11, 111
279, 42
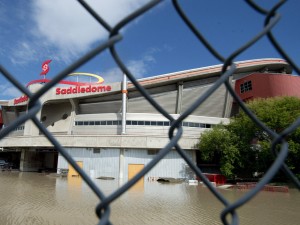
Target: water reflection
31, 198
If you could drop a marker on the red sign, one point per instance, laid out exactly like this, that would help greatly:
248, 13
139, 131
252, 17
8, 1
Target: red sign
23, 98
45, 67
81, 89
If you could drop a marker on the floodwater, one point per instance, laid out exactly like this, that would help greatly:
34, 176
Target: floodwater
32, 198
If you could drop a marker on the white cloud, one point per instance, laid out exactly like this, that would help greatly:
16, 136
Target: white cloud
138, 68
112, 75
9, 91
23, 53
70, 28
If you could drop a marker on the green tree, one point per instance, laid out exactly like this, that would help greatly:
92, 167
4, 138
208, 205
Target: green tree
244, 147
219, 144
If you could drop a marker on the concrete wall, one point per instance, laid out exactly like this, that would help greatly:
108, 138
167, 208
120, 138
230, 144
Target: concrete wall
107, 162
172, 165
56, 116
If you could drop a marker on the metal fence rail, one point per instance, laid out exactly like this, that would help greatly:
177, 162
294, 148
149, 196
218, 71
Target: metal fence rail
103, 209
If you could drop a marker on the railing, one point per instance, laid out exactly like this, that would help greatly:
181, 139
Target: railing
175, 132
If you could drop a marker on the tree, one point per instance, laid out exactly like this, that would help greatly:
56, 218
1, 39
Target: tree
244, 147
219, 144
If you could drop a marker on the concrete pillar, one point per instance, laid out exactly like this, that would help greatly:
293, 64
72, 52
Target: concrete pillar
74, 111
30, 128
22, 159
124, 104
4, 116
179, 98
16, 112
121, 165
228, 101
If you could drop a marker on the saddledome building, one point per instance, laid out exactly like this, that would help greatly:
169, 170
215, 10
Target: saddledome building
90, 124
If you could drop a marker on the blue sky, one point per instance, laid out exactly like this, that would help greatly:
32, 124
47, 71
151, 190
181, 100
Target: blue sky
32, 31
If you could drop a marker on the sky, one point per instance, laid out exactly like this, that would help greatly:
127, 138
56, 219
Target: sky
156, 43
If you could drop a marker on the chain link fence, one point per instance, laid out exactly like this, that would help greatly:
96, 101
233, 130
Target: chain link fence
103, 208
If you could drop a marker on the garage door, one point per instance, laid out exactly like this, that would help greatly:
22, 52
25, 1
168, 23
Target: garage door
133, 169
72, 172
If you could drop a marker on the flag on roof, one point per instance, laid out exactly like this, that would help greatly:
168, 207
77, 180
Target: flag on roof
45, 67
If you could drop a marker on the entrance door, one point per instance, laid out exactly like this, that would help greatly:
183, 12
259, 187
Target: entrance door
72, 172
133, 169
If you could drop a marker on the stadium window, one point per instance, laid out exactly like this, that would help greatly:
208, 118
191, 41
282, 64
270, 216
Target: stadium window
96, 150
85, 123
92, 123
246, 86
141, 123
194, 124
103, 122
109, 122
153, 123
160, 123
152, 151
115, 122
166, 123
128, 122
147, 123
249, 86
134, 122
185, 124
242, 89
97, 123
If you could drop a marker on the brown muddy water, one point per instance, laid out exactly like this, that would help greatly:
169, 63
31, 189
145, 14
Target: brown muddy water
32, 198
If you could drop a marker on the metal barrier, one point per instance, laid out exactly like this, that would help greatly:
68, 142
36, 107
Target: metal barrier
175, 131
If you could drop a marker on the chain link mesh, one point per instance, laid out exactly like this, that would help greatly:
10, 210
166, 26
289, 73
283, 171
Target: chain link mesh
103, 208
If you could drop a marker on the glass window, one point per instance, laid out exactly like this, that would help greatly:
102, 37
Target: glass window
152, 152
115, 122
141, 123
96, 150
147, 123
92, 123
153, 123
185, 124
103, 122
97, 123
128, 122
166, 123
242, 89
160, 123
86, 123
134, 122
246, 86
109, 122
